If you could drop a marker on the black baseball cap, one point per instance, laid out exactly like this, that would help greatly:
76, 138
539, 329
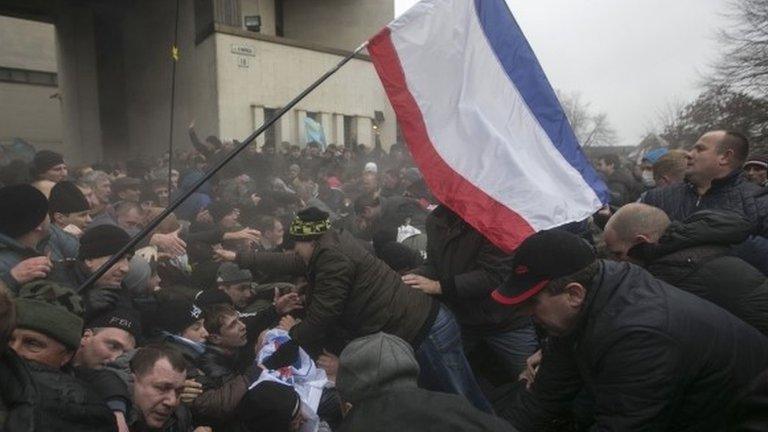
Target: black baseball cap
542, 257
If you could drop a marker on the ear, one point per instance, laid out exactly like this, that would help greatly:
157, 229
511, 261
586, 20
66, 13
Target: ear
67, 358
726, 157
57, 218
641, 238
576, 294
87, 334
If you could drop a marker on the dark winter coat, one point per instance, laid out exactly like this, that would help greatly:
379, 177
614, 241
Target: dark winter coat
732, 193
225, 381
694, 255
351, 288
17, 394
623, 187
66, 403
469, 268
417, 410
656, 358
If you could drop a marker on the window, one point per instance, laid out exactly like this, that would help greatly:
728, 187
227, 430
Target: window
24, 76
270, 135
350, 132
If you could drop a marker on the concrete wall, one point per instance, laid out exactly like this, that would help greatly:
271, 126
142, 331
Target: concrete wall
277, 73
342, 24
265, 8
27, 111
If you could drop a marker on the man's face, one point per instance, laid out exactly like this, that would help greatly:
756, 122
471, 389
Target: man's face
704, 161
103, 191
196, 332
241, 294
102, 346
90, 196
370, 182
604, 168
293, 171
161, 192
756, 174
130, 221
131, 194
79, 219
275, 235
232, 333
617, 248
114, 276
157, 393
305, 250
35, 346
555, 313
56, 173
229, 221
390, 181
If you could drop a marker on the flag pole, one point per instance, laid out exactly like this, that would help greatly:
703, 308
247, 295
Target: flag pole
212, 171
175, 59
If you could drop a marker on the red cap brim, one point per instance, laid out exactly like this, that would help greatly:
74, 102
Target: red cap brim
511, 301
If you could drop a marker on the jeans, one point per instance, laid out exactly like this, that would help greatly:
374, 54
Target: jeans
443, 365
513, 347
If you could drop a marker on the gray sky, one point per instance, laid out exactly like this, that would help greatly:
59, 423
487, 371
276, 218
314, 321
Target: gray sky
627, 58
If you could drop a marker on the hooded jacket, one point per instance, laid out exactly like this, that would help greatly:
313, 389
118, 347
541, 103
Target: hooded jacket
656, 358
378, 374
694, 255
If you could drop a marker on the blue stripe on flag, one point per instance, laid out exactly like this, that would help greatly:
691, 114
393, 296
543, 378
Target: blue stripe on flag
518, 60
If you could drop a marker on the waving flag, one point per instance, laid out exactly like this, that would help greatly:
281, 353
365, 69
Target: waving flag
482, 121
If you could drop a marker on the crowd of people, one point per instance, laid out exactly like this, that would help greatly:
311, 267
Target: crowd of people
324, 288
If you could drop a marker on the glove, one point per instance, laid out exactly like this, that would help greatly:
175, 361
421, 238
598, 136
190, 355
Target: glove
100, 299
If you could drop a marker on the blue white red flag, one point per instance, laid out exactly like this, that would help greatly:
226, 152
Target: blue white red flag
482, 121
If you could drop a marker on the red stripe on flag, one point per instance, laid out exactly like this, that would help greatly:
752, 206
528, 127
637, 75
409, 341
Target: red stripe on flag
502, 226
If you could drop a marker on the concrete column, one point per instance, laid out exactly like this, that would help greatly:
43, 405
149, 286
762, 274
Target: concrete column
301, 131
286, 129
338, 129
326, 120
77, 72
364, 127
257, 116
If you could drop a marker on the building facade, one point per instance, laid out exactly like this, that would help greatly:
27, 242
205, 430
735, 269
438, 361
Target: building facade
239, 61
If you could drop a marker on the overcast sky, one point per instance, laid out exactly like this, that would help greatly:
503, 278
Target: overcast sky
628, 58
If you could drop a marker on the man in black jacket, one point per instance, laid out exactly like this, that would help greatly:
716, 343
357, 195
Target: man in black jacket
462, 270
715, 181
693, 255
622, 185
656, 358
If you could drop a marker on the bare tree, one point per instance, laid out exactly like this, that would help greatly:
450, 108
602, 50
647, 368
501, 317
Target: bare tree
744, 64
591, 129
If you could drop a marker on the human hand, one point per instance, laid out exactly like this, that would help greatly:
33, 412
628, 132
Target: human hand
329, 363
222, 255
192, 389
31, 269
286, 303
426, 285
75, 231
255, 199
203, 429
249, 234
204, 216
169, 243
122, 424
192, 124
287, 322
532, 367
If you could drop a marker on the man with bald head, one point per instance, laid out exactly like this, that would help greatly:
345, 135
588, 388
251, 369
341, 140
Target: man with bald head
714, 180
694, 255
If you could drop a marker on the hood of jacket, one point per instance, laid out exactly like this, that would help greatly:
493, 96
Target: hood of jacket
375, 364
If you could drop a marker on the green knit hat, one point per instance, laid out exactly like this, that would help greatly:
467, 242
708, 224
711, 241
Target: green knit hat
309, 225
51, 309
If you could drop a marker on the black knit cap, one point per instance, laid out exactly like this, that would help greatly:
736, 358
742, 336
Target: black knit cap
177, 315
309, 224
45, 160
121, 318
22, 209
212, 296
67, 198
542, 257
101, 241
